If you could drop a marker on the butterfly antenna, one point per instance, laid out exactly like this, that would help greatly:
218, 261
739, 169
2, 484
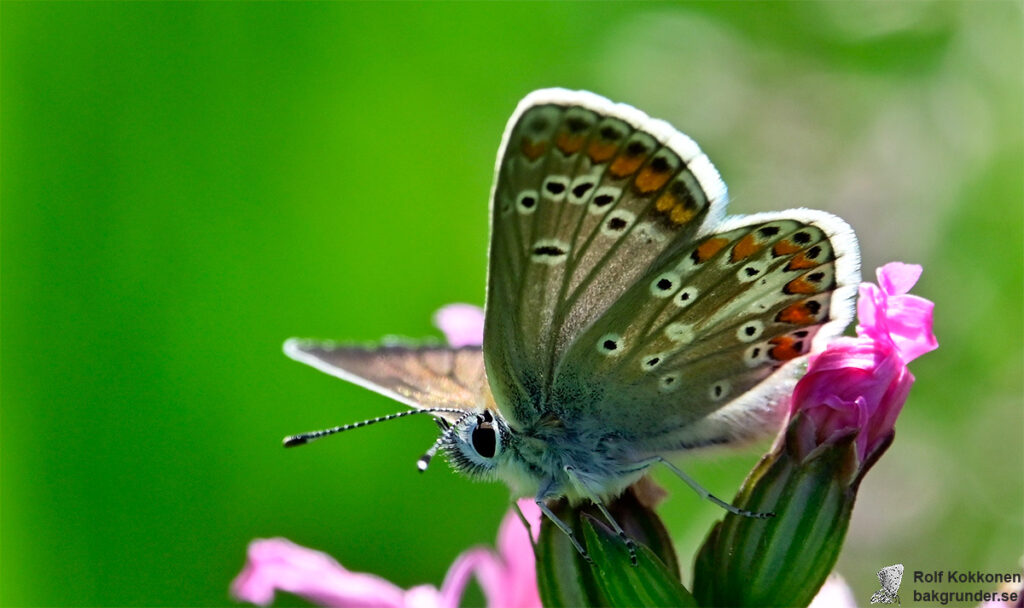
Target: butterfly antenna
424, 460
304, 438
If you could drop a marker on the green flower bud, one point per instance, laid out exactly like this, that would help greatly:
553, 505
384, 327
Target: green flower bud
783, 561
565, 578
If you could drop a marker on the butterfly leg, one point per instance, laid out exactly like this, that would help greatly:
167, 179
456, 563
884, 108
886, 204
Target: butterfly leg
526, 524
699, 489
630, 544
564, 527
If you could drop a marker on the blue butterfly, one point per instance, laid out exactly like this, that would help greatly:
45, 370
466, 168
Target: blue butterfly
627, 317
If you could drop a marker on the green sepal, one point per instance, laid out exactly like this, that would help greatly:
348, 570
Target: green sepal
781, 561
648, 583
564, 578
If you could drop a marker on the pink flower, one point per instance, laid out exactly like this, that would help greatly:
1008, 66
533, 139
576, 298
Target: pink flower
508, 578
462, 324
887, 314
860, 384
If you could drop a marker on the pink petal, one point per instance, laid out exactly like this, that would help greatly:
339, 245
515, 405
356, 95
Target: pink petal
896, 278
278, 564
516, 552
888, 314
462, 324
488, 571
910, 326
854, 383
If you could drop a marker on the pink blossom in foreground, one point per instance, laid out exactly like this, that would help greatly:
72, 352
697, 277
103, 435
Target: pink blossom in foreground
508, 578
462, 324
862, 383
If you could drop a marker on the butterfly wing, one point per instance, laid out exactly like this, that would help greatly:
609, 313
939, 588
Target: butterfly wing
891, 577
587, 195
420, 377
616, 293
881, 597
703, 346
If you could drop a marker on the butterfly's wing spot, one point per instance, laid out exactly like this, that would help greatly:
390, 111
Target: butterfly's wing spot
649, 233
787, 347
549, 251
580, 189
750, 272
604, 199
756, 356
750, 331
652, 362
610, 345
555, 187
605, 145
665, 285
745, 247
804, 312
708, 249
655, 174
618, 223
632, 155
527, 202
807, 258
574, 131
539, 125
815, 281
679, 332
719, 390
669, 382
679, 203
686, 296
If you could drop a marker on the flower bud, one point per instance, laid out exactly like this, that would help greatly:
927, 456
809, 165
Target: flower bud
566, 578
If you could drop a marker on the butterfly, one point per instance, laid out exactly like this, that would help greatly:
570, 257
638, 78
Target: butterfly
627, 317
890, 577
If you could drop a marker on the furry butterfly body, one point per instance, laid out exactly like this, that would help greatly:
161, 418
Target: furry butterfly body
627, 317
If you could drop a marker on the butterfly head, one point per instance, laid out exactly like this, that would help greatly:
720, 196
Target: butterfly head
476, 444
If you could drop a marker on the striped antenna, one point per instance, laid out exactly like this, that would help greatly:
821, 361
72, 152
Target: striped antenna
304, 438
424, 460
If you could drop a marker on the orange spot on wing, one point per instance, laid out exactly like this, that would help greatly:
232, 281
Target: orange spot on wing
800, 285
569, 144
533, 150
800, 313
625, 165
800, 262
709, 248
785, 247
785, 348
746, 247
650, 180
600, 152
666, 202
681, 215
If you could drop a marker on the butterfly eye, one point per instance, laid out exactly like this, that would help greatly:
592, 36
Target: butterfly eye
485, 440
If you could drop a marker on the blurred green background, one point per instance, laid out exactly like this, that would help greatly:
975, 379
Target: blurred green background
186, 185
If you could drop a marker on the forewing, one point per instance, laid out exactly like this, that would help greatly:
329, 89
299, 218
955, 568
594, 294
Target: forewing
891, 577
701, 348
420, 377
588, 194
